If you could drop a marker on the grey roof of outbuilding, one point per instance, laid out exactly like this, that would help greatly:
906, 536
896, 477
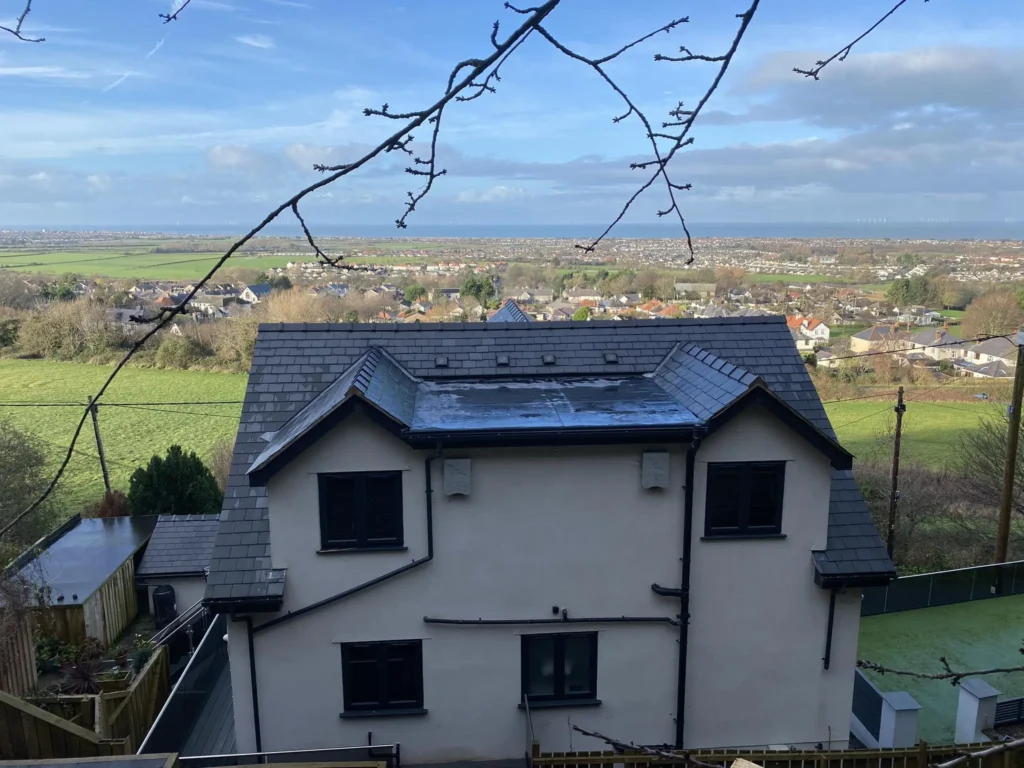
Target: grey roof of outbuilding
294, 363
181, 545
510, 312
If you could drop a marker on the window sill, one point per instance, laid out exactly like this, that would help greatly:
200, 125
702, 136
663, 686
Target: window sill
350, 550
558, 703
740, 536
382, 713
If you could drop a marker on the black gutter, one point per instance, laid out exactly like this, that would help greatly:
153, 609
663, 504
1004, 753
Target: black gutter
586, 620
383, 577
684, 591
827, 658
252, 684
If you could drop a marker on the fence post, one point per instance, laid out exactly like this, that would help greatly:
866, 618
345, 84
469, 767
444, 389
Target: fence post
922, 754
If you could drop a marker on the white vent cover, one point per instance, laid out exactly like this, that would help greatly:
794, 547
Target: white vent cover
654, 469
457, 478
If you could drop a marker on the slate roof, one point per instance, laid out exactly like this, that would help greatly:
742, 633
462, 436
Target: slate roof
705, 382
854, 546
181, 545
510, 312
294, 363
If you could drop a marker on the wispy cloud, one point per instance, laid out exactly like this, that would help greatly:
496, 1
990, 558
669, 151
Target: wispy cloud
289, 3
43, 73
256, 41
156, 47
117, 82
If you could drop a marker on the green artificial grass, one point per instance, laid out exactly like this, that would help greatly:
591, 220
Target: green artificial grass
971, 636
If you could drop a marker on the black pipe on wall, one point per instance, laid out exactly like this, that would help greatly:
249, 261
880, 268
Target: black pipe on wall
684, 587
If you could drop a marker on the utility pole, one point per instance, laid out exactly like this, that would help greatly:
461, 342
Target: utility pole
94, 412
1012, 437
900, 408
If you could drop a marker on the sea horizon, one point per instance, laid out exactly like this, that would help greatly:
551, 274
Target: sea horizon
869, 229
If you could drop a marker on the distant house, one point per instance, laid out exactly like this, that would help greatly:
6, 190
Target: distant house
255, 293
700, 289
994, 370
938, 344
875, 337
582, 294
561, 314
809, 326
997, 350
445, 294
804, 343
629, 299
178, 555
827, 358
510, 312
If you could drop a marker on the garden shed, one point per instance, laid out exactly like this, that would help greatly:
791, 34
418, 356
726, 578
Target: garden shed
84, 579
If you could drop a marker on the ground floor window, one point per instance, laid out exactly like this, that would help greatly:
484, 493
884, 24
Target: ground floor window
382, 676
559, 667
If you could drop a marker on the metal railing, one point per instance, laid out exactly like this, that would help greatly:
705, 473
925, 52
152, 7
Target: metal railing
1010, 711
179, 621
867, 703
182, 635
390, 754
961, 585
173, 724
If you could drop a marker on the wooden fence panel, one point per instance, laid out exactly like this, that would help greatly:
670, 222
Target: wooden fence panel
139, 708
18, 657
30, 733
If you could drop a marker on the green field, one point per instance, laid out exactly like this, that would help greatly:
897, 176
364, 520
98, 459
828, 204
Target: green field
978, 635
130, 435
930, 430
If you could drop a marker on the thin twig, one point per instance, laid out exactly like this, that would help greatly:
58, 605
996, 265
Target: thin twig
950, 674
16, 31
1006, 746
843, 52
169, 17
385, 146
623, 746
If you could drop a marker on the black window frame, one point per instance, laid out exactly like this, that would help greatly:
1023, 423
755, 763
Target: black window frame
361, 540
725, 472
384, 704
559, 695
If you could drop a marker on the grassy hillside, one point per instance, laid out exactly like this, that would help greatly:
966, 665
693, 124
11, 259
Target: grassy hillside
131, 435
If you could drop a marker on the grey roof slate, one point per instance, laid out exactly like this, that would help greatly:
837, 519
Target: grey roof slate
705, 382
294, 363
853, 546
510, 312
181, 545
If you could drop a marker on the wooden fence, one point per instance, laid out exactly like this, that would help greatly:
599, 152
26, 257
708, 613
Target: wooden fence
103, 615
920, 756
30, 733
142, 701
18, 655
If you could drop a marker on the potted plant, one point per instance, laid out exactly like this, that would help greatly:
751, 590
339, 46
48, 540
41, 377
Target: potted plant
120, 655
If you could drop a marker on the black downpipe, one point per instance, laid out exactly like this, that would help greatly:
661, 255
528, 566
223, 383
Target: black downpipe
827, 658
383, 577
684, 591
252, 684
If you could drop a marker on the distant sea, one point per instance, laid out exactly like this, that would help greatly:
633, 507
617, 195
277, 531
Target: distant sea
856, 230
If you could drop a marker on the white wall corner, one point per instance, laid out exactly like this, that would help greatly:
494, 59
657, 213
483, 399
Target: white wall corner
975, 711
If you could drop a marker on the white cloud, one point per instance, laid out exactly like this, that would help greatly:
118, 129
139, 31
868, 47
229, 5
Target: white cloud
117, 82
156, 47
902, 126
43, 73
495, 194
289, 4
99, 182
227, 156
256, 41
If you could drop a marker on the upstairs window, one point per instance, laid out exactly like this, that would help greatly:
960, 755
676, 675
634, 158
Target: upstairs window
361, 510
560, 667
382, 677
744, 499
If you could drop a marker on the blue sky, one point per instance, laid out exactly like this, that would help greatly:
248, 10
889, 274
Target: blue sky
215, 118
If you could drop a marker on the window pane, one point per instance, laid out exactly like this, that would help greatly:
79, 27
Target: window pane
540, 666
363, 679
403, 674
578, 665
765, 496
724, 495
339, 509
384, 508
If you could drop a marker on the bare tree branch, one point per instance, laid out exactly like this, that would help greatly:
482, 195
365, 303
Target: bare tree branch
169, 17
950, 674
622, 746
1006, 746
387, 145
843, 52
16, 30
684, 120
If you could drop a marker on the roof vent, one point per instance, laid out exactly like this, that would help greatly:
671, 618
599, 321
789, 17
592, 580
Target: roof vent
502, 360
548, 359
611, 357
441, 361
